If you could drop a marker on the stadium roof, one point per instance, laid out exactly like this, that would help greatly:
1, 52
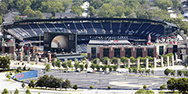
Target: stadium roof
94, 19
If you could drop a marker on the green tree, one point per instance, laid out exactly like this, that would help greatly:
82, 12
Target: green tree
5, 91
91, 87
107, 10
75, 87
166, 71
135, 70
8, 75
147, 71
143, 91
144, 87
23, 84
66, 84
16, 91
124, 59
152, 71
5, 62
163, 4
182, 85
163, 86
86, 66
115, 67
179, 72
98, 67
93, 66
110, 68
104, 60
47, 67
77, 10
130, 70
104, 67
69, 64
28, 91
31, 84
172, 72
132, 59
95, 60
92, 11
114, 60
109, 87
76, 65
171, 84
81, 67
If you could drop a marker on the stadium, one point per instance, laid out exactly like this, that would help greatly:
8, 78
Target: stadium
135, 30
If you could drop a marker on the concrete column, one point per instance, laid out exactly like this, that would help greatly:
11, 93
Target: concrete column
15, 57
162, 65
138, 63
65, 59
129, 63
172, 60
167, 61
118, 63
155, 62
37, 59
21, 57
98, 61
46, 60
108, 62
147, 61
87, 62
176, 59
28, 59
76, 60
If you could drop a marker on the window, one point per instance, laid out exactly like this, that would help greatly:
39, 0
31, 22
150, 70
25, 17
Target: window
93, 52
160, 50
117, 52
128, 52
105, 52
150, 52
138, 52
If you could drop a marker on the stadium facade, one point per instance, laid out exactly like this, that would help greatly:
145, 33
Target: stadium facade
134, 30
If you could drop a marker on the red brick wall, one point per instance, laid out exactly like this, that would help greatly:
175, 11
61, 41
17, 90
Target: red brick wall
11, 49
3, 49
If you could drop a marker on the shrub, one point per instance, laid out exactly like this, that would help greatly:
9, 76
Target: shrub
23, 85
29, 69
144, 86
91, 87
19, 70
109, 87
16, 91
28, 92
31, 84
24, 68
163, 86
162, 92
32, 63
75, 87
143, 91
15, 79
5, 91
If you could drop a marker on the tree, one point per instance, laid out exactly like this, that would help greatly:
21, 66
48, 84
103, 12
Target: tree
31, 84
28, 91
163, 86
81, 67
182, 85
104, 60
69, 63
114, 60
93, 66
124, 59
132, 59
163, 4
172, 72
140, 71
8, 75
110, 68
23, 84
144, 87
147, 71
86, 66
166, 71
130, 70
98, 67
5, 62
75, 87
92, 11
76, 65
16, 91
171, 84
179, 72
5, 91
91, 87
152, 71
107, 10
143, 91
109, 87
77, 10
47, 67
66, 84
115, 67
95, 60
135, 70
104, 67
42, 81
